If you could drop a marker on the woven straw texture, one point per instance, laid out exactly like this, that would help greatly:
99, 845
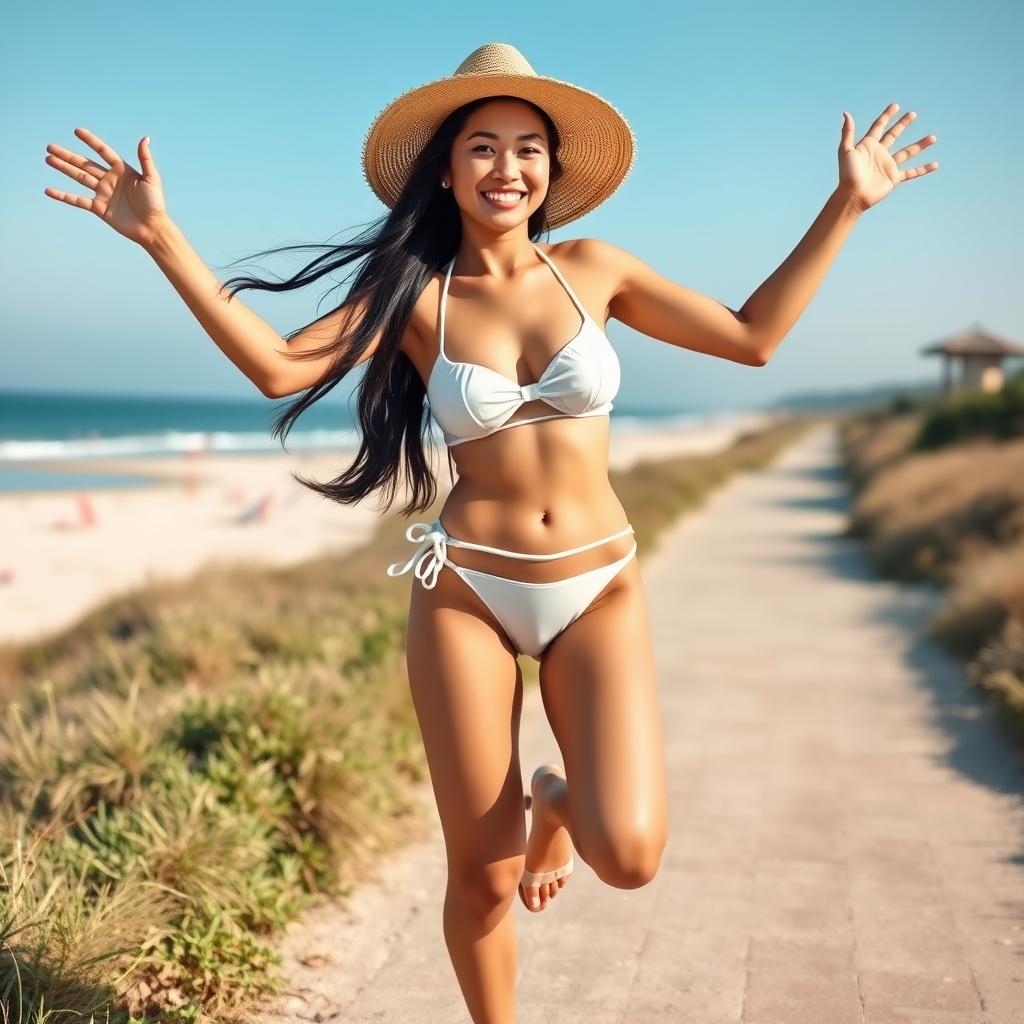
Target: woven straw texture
597, 151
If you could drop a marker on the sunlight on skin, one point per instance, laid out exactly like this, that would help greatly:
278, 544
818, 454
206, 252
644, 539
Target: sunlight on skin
868, 172
548, 841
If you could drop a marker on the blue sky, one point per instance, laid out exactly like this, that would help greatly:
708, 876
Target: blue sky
257, 113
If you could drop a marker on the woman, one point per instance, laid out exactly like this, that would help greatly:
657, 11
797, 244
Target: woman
462, 319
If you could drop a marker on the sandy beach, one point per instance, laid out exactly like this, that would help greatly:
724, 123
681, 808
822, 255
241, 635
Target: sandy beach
64, 551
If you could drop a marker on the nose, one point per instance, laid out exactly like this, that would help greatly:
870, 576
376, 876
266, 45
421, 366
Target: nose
506, 165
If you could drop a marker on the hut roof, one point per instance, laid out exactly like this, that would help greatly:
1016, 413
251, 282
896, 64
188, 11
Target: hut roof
975, 342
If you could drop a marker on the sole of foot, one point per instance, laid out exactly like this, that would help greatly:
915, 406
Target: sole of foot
548, 844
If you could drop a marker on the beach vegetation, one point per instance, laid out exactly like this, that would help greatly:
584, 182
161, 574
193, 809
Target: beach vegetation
938, 498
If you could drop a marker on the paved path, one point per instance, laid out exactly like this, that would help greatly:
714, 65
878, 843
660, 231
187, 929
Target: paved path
847, 840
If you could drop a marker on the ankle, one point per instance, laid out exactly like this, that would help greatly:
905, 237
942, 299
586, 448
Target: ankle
553, 803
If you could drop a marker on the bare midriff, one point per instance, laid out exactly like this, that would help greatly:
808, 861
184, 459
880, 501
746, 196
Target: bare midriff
536, 488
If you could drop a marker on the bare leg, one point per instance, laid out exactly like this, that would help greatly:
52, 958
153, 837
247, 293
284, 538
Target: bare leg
599, 691
467, 690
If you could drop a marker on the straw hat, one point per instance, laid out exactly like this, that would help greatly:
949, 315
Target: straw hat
597, 148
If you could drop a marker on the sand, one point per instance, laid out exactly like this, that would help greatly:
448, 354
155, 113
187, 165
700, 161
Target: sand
63, 552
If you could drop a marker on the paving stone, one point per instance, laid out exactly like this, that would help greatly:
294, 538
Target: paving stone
546, 1013
705, 900
888, 995
802, 900
695, 974
796, 982
912, 937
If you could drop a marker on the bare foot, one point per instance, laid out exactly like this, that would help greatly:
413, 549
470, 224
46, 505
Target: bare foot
548, 845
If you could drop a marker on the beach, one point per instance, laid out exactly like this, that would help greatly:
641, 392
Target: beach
63, 552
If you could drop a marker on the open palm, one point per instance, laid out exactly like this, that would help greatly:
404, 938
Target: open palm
868, 172
132, 203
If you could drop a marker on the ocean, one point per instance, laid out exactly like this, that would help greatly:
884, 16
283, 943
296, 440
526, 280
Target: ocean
39, 428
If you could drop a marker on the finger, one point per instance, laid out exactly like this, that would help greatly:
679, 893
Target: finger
146, 159
74, 172
916, 172
71, 157
898, 128
107, 152
875, 131
82, 202
908, 151
846, 139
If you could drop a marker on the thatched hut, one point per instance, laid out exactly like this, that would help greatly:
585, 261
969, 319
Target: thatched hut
973, 360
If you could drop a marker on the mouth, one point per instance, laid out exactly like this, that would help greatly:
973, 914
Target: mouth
505, 199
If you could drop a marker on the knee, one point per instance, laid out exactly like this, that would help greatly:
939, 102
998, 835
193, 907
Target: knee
484, 887
627, 861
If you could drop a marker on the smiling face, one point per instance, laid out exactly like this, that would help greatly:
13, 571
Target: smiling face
502, 152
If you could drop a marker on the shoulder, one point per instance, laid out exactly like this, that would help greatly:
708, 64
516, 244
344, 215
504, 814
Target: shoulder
590, 253
593, 260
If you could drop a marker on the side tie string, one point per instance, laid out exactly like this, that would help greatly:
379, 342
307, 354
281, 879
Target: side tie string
428, 558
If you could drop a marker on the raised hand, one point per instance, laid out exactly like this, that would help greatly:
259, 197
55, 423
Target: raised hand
867, 171
131, 203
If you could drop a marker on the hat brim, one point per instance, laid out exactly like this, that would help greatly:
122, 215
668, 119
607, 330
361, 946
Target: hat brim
597, 150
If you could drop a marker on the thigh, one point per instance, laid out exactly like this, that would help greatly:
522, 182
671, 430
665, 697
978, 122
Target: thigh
599, 690
467, 689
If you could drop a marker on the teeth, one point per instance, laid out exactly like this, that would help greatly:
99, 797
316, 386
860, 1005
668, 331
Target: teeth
504, 197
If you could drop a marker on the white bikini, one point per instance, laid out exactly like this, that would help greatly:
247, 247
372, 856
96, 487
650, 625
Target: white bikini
470, 401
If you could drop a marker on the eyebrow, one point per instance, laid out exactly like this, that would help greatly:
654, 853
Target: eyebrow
494, 135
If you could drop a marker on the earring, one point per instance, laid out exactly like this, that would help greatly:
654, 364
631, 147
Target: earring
444, 184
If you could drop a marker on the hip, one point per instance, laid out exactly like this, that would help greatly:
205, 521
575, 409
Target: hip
566, 535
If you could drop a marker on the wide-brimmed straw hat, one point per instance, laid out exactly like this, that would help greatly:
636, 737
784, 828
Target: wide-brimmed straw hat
597, 147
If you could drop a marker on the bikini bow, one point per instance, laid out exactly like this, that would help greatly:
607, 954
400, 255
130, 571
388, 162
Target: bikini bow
429, 557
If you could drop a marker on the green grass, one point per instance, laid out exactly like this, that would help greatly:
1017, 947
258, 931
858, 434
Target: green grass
189, 766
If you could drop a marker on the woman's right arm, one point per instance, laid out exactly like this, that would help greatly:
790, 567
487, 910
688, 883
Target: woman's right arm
133, 204
243, 336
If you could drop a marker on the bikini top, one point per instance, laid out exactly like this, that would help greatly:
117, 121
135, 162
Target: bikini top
469, 401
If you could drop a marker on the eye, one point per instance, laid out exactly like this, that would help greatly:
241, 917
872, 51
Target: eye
483, 145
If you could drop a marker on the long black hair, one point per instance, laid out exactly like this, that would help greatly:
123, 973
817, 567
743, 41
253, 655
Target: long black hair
403, 249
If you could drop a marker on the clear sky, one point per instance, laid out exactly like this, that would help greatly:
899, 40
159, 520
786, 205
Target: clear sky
257, 113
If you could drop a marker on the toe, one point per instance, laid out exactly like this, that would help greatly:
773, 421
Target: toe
531, 897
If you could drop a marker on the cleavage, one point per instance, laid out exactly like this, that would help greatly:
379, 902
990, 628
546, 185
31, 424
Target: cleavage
577, 330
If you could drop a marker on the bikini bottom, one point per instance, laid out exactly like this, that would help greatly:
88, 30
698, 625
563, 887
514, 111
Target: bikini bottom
532, 614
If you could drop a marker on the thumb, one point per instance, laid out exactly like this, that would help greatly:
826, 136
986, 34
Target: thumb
146, 159
846, 142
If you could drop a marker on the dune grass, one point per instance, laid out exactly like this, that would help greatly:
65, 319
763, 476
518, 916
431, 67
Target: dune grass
937, 500
192, 763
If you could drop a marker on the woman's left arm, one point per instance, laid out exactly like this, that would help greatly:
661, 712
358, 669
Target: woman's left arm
650, 303
867, 174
